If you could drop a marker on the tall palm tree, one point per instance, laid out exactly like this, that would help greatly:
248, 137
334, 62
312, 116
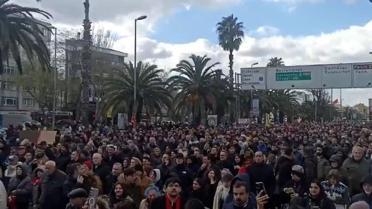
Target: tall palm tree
20, 30
230, 36
152, 94
194, 86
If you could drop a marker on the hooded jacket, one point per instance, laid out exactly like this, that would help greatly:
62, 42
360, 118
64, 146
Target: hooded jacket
21, 187
363, 196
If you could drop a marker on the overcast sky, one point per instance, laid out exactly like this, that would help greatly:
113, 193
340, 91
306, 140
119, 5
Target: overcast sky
299, 31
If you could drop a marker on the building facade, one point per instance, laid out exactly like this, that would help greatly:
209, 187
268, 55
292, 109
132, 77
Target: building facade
103, 61
12, 96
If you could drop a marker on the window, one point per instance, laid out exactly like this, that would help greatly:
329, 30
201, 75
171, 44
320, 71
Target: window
9, 101
7, 85
9, 70
28, 102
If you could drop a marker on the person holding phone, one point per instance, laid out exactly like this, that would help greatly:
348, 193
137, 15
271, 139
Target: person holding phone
244, 199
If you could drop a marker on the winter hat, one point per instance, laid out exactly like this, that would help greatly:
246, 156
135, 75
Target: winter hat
77, 193
366, 180
298, 170
152, 188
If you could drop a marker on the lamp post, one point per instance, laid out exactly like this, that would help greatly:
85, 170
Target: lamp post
54, 78
135, 64
253, 64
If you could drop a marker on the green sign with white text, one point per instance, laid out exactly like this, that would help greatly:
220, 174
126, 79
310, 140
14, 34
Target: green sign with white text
293, 76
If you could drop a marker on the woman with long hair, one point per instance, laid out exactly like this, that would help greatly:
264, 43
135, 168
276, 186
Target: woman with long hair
213, 177
118, 194
316, 198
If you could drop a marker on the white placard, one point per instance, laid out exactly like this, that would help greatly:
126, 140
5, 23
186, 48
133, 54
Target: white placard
253, 78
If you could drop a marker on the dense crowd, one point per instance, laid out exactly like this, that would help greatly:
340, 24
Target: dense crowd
169, 166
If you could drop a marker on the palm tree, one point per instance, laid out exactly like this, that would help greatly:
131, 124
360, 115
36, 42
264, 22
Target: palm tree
230, 35
275, 62
20, 30
194, 86
152, 94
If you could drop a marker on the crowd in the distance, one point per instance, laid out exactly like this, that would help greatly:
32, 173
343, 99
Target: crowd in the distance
168, 166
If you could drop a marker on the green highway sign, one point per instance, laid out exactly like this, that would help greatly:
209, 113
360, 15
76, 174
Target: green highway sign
293, 76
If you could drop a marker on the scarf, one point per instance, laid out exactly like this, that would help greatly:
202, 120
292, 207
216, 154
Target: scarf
172, 205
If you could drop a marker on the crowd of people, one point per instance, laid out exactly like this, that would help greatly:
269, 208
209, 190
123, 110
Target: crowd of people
174, 166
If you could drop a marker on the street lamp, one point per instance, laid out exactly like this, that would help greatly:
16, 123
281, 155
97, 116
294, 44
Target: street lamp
135, 63
54, 77
253, 64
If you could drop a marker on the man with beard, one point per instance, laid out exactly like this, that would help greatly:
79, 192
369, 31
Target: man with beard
243, 199
323, 165
172, 198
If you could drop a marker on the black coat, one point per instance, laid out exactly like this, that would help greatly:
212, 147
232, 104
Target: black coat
283, 170
362, 197
52, 191
102, 171
262, 173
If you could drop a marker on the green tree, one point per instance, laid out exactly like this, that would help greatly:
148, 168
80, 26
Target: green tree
194, 86
21, 31
38, 84
275, 62
230, 36
152, 94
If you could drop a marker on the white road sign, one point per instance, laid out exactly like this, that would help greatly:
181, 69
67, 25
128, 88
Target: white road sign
253, 78
362, 75
336, 76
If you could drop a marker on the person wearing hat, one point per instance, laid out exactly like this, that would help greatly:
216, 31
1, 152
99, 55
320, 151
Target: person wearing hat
336, 191
182, 172
366, 194
294, 187
77, 198
150, 193
20, 187
172, 198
